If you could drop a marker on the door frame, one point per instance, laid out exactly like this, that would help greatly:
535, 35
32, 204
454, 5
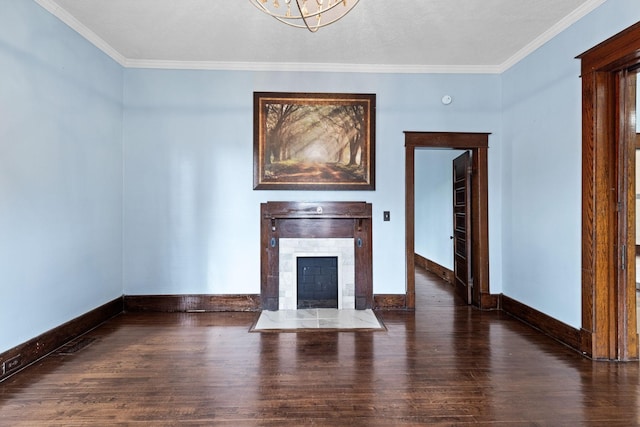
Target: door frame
609, 329
478, 144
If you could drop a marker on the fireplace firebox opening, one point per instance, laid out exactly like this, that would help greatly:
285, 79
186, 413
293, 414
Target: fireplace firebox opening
317, 282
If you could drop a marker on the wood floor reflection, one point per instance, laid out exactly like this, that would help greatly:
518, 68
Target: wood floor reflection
444, 364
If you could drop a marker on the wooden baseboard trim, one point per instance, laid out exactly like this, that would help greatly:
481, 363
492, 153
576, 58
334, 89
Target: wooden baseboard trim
586, 341
191, 303
23, 355
248, 302
489, 302
435, 268
554, 328
390, 302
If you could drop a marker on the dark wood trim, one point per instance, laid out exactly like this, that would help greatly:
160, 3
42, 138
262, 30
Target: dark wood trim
478, 144
490, 301
434, 268
480, 228
29, 352
389, 302
608, 144
315, 220
554, 328
249, 302
191, 303
451, 140
410, 223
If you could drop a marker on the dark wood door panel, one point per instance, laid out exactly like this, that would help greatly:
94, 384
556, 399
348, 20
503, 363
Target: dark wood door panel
462, 226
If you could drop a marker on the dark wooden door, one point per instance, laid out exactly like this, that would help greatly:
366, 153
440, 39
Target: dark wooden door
462, 226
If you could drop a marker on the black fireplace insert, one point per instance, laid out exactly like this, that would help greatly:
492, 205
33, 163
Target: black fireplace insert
317, 282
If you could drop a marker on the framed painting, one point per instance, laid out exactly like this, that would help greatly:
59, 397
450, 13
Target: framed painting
313, 141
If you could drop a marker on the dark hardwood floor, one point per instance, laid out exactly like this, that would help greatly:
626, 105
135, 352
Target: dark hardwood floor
444, 364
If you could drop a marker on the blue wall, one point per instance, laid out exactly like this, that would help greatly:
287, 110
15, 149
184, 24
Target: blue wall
60, 174
190, 213
541, 128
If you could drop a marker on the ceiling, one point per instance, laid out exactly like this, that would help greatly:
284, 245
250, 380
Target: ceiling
376, 36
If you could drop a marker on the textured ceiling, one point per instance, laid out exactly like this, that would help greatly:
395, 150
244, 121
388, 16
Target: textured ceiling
397, 35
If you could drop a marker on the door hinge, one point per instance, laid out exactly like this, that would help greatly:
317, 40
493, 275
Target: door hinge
624, 257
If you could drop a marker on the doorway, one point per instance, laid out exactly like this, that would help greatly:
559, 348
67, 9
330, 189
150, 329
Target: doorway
441, 215
477, 144
609, 306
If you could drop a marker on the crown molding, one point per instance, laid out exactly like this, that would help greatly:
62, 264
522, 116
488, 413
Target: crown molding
101, 44
85, 32
312, 67
562, 25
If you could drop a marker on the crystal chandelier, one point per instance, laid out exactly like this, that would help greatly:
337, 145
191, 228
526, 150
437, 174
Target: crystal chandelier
309, 14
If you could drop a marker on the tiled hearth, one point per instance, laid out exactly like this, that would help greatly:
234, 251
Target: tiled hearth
317, 318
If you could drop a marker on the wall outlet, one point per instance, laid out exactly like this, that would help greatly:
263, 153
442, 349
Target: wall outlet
11, 365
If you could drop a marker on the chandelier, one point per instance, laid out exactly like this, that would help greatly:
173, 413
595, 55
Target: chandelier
309, 14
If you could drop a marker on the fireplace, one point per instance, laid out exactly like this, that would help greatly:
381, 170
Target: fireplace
290, 230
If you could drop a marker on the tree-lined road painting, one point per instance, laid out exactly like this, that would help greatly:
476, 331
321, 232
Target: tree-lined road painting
317, 143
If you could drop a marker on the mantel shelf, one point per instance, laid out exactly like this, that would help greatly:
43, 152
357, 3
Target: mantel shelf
319, 216
313, 210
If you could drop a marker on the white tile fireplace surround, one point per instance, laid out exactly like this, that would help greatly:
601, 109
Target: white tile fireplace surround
291, 249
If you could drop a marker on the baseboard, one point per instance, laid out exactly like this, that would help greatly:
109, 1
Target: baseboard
23, 355
390, 302
489, 302
435, 268
586, 342
247, 302
191, 303
554, 328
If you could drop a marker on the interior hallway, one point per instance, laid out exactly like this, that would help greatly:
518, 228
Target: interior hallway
445, 363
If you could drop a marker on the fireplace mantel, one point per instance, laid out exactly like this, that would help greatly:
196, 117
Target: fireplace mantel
315, 220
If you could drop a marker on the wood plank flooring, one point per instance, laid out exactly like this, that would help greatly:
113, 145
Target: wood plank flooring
444, 364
